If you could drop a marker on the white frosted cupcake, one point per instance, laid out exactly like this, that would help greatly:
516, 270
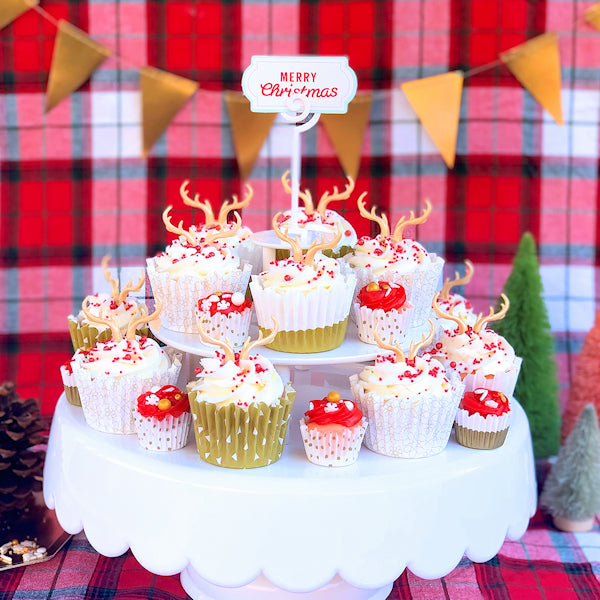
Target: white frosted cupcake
117, 305
163, 419
308, 295
186, 272
392, 258
112, 374
226, 315
332, 431
481, 357
240, 405
409, 402
382, 306
71, 391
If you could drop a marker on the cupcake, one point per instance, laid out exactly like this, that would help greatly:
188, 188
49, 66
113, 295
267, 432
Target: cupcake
240, 405
332, 431
162, 418
391, 257
309, 295
71, 391
454, 303
311, 223
240, 244
481, 357
111, 375
409, 401
188, 270
117, 305
382, 306
226, 315
482, 419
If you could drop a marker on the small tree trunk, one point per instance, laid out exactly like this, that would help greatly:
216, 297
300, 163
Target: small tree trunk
565, 524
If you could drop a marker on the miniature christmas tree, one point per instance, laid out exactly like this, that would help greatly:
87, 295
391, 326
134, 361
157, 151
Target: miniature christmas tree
572, 490
527, 329
585, 385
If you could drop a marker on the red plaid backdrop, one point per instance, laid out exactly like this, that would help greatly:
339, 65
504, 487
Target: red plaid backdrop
73, 187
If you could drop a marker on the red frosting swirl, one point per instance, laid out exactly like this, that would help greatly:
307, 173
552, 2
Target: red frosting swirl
387, 297
222, 304
326, 412
179, 403
475, 402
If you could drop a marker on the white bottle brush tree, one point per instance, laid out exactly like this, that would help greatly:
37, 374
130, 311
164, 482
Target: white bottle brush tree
572, 490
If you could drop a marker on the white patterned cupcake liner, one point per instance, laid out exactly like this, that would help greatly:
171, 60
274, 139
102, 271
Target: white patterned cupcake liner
169, 433
330, 448
420, 285
233, 326
180, 297
504, 382
108, 402
394, 323
408, 428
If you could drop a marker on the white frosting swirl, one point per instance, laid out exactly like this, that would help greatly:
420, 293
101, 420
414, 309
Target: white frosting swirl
386, 255
314, 223
120, 313
243, 234
405, 380
485, 352
141, 357
180, 259
253, 380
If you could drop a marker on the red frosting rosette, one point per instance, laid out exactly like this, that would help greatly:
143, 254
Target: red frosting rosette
485, 402
167, 400
382, 295
224, 303
334, 411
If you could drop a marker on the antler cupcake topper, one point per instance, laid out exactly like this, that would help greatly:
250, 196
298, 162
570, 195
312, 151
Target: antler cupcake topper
206, 208
414, 346
458, 280
383, 222
325, 199
297, 254
118, 295
228, 350
481, 320
101, 319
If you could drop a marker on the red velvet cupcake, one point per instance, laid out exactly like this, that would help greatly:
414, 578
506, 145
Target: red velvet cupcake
483, 419
332, 431
226, 315
163, 418
383, 306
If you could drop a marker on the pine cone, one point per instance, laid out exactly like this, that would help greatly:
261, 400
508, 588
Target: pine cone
21, 461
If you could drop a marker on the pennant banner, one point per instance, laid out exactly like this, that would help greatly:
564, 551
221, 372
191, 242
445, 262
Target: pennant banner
536, 64
163, 95
347, 131
436, 100
592, 15
11, 9
249, 131
74, 59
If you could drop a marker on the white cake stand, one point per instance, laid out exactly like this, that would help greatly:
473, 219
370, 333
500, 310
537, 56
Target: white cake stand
292, 530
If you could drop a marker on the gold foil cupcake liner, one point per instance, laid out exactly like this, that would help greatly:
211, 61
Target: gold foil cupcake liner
87, 334
321, 339
72, 395
332, 448
480, 440
236, 438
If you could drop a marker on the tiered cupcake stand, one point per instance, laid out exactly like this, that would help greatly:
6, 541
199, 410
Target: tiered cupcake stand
292, 530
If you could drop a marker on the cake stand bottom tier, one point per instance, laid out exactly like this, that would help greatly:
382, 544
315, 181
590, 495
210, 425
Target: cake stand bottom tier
293, 529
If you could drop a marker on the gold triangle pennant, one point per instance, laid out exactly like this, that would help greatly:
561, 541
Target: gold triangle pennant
163, 95
592, 15
248, 129
536, 64
75, 57
347, 131
11, 9
436, 100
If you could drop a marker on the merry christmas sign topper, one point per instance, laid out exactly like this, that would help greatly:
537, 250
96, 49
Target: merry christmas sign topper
286, 83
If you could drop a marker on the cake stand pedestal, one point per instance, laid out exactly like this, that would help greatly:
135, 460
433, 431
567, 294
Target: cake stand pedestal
292, 530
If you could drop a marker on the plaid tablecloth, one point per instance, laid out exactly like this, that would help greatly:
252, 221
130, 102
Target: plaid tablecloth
545, 565
73, 187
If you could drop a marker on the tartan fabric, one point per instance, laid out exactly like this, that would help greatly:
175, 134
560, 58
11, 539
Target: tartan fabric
73, 186
544, 564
